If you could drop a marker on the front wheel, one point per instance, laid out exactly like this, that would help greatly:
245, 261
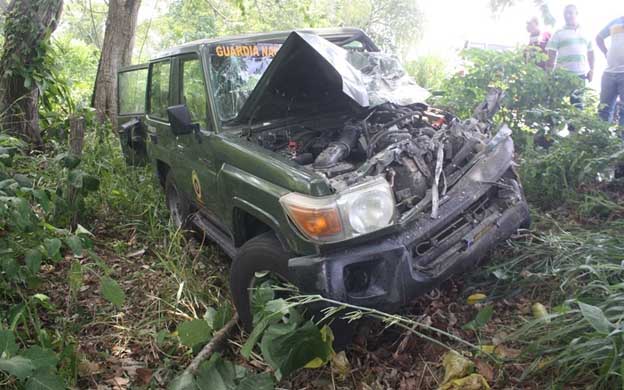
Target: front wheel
263, 253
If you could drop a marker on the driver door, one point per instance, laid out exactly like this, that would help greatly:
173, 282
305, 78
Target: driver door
199, 166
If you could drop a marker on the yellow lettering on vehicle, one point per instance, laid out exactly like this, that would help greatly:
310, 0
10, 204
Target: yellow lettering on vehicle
246, 51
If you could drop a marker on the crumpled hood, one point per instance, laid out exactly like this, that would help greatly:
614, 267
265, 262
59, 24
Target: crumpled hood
310, 75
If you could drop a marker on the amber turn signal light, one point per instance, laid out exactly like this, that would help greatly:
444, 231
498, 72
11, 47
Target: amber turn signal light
316, 222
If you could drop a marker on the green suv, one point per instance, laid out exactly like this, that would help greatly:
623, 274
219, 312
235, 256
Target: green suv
311, 155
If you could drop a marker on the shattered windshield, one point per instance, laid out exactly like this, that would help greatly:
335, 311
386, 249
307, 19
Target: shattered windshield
236, 70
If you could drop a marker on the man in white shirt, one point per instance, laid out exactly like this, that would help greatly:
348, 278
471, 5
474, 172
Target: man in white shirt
570, 49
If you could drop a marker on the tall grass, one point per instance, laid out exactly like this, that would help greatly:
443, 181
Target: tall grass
580, 271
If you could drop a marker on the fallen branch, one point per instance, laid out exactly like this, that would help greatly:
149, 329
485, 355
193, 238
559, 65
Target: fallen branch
211, 346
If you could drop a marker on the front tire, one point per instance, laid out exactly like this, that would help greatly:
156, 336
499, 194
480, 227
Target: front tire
260, 254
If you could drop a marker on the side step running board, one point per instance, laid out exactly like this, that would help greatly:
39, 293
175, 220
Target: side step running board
216, 235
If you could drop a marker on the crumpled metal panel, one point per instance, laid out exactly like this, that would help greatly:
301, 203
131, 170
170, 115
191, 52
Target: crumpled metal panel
310, 75
385, 79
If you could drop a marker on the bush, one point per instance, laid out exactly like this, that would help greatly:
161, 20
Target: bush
574, 165
533, 100
428, 71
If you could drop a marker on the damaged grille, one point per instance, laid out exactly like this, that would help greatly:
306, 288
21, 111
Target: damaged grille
453, 237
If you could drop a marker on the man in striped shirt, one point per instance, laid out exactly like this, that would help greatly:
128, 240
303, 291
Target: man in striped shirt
570, 49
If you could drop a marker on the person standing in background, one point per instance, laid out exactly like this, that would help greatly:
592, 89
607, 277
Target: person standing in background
612, 84
537, 37
570, 49
537, 40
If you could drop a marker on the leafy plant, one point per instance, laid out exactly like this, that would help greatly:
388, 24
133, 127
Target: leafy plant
30, 205
573, 166
428, 71
483, 317
533, 99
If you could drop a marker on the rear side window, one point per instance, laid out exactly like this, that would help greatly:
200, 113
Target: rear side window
132, 85
193, 90
159, 89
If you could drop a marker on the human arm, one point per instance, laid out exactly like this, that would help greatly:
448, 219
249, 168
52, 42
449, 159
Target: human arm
600, 41
552, 59
552, 49
591, 60
604, 34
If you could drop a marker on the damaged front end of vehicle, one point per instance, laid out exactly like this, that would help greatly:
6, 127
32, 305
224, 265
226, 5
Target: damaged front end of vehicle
418, 194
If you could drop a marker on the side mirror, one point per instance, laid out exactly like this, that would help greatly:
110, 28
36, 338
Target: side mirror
180, 120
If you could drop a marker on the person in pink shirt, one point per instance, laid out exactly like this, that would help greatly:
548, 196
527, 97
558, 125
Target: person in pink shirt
537, 39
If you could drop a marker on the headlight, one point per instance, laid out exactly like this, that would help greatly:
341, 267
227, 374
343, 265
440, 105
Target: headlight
362, 209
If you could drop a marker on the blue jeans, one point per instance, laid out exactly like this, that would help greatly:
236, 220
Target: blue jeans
612, 87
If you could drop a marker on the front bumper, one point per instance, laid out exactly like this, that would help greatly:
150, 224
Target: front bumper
389, 272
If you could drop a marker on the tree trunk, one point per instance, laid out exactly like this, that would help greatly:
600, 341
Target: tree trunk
76, 142
116, 52
28, 27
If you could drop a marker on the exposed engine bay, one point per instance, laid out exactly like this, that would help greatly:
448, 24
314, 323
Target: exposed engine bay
419, 150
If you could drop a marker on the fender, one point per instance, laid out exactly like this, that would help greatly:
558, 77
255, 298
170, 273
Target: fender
259, 198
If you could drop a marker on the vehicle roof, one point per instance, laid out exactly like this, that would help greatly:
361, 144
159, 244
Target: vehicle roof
332, 34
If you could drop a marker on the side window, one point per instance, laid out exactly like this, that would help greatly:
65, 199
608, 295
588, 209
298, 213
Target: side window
159, 89
131, 85
193, 90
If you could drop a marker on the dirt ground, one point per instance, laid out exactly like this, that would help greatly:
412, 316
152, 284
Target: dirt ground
135, 346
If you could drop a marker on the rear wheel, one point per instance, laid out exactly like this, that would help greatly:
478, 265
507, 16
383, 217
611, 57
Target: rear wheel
179, 208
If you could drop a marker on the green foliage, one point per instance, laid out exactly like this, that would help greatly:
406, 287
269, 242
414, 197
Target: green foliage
33, 203
35, 367
579, 271
112, 292
483, 317
220, 374
573, 166
25, 29
194, 19
534, 98
286, 341
393, 25
428, 71
537, 108
84, 21
194, 332
76, 64
291, 346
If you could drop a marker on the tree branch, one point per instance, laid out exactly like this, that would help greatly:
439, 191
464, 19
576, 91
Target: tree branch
212, 345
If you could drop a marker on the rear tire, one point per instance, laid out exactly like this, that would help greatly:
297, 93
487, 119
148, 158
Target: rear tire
179, 208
